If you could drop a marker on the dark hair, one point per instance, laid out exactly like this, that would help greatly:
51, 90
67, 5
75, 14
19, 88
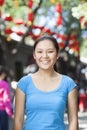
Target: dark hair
55, 43
2, 69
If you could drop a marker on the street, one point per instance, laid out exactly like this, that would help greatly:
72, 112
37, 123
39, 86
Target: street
82, 118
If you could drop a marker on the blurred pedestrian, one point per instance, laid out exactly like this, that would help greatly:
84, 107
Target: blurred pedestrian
5, 100
43, 95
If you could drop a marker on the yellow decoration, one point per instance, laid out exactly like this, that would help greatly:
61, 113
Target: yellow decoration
16, 3
8, 38
8, 25
29, 23
83, 1
0, 12
53, 1
30, 10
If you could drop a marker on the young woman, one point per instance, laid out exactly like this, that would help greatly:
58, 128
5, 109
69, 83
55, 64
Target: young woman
43, 95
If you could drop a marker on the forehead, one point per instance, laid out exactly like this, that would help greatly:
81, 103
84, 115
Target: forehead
45, 44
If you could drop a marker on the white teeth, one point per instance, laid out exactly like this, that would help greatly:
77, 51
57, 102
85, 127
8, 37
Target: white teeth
44, 62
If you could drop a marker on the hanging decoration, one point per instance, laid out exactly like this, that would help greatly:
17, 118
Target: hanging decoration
61, 40
30, 14
62, 36
61, 45
0, 13
59, 20
80, 12
74, 44
18, 21
20, 33
16, 3
53, 1
58, 8
7, 31
8, 18
30, 3
2, 2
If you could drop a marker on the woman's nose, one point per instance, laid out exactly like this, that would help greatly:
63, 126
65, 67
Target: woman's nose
45, 54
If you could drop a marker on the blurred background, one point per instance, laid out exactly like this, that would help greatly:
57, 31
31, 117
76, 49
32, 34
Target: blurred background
23, 21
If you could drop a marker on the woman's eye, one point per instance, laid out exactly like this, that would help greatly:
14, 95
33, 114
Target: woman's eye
50, 51
39, 51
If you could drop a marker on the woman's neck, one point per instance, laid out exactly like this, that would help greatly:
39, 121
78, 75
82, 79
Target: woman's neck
46, 74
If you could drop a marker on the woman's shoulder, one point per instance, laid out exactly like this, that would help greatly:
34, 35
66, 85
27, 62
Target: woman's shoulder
24, 78
24, 82
67, 78
69, 82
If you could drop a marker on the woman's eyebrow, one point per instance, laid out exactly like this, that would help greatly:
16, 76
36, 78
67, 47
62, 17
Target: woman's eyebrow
47, 49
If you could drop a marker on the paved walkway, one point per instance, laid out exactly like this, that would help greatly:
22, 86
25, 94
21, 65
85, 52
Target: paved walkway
82, 118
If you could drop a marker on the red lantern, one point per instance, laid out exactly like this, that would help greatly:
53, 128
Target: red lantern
76, 49
30, 16
62, 36
1, 2
18, 21
71, 45
58, 8
41, 27
35, 37
8, 18
59, 20
74, 44
81, 19
85, 23
34, 27
8, 31
72, 37
46, 30
30, 3
20, 33
61, 45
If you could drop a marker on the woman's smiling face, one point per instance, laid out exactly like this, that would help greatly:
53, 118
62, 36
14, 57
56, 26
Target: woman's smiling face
45, 54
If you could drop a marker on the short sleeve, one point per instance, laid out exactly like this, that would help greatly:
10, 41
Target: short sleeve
22, 84
71, 84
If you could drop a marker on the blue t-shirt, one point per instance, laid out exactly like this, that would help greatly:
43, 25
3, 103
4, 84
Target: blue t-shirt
45, 110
